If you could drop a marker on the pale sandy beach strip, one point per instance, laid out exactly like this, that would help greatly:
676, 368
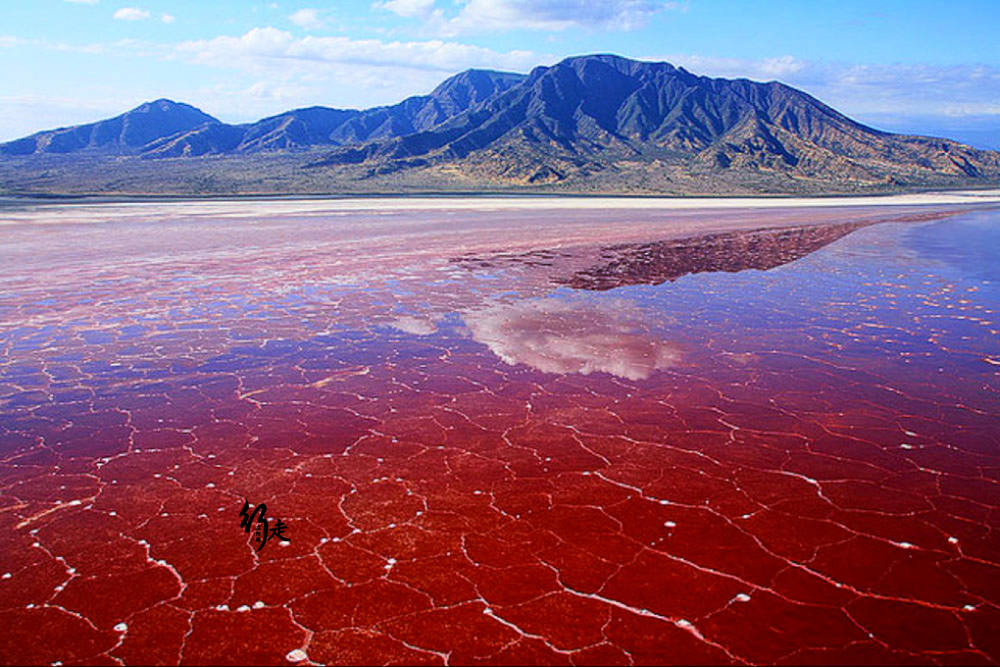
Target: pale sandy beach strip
245, 208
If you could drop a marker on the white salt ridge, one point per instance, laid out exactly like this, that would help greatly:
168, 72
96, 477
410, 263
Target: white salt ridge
669, 524
743, 597
6, 575
952, 540
121, 627
259, 604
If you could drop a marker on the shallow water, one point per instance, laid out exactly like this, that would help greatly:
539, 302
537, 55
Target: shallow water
761, 446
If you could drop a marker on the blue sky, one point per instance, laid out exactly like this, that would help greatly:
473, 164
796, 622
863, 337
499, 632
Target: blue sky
904, 65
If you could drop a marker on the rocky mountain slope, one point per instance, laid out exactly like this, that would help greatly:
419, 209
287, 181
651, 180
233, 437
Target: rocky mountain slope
170, 129
590, 123
127, 134
590, 113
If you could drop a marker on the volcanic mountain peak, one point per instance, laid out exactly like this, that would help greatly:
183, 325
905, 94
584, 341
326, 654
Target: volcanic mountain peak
589, 114
468, 88
325, 126
124, 134
593, 121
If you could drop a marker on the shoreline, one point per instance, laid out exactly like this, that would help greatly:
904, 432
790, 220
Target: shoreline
14, 211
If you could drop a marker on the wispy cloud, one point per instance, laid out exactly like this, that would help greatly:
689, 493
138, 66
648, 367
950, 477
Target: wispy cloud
131, 14
308, 19
762, 69
478, 16
264, 46
407, 8
122, 47
167, 18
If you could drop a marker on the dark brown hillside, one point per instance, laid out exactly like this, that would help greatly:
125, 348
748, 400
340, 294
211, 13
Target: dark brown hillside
590, 113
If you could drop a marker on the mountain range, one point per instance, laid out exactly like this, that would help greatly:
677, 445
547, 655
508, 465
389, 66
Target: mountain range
589, 123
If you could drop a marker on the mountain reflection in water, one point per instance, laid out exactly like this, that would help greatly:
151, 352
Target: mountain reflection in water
655, 262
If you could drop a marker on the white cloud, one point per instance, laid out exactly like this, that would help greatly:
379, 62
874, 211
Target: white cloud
500, 15
167, 18
261, 46
131, 14
406, 7
307, 19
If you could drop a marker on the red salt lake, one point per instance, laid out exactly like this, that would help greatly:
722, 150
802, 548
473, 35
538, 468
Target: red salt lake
500, 436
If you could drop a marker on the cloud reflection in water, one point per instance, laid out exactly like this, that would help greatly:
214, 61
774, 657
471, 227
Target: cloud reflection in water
573, 336
414, 325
